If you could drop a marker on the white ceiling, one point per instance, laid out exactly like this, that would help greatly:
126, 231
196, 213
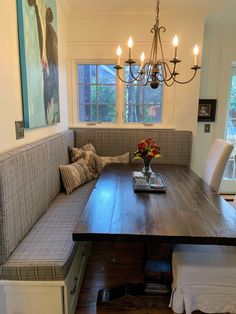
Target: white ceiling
218, 12
93, 6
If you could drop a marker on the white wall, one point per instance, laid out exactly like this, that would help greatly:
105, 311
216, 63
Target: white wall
97, 37
10, 84
219, 52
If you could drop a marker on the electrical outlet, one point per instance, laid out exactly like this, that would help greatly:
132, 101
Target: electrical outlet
19, 126
207, 128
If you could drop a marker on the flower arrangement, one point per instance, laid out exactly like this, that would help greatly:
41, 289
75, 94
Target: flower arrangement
147, 150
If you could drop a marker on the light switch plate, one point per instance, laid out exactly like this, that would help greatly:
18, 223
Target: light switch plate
19, 126
207, 128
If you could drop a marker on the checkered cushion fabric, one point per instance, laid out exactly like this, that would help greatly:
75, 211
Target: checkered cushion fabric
74, 175
176, 146
48, 249
29, 181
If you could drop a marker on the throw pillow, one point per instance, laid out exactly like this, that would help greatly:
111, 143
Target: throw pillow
74, 175
114, 159
89, 146
92, 161
75, 154
86, 155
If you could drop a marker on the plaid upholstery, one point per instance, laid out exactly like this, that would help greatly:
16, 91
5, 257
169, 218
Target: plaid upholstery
176, 146
48, 249
29, 181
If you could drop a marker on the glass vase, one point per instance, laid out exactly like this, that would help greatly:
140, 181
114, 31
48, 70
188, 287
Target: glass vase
147, 170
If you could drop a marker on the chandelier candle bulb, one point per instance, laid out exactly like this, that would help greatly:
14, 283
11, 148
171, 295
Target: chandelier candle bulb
196, 51
118, 52
142, 58
130, 45
175, 43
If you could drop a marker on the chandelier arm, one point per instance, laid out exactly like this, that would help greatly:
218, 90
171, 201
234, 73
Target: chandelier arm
165, 66
124, 81
147, 74
145, 84
135, 78
164, 73
153, 49
169, 84
159, 37
185, 82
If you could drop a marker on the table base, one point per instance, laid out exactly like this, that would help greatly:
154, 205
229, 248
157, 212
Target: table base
130, 295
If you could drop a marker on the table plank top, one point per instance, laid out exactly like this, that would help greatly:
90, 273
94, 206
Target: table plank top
189, 212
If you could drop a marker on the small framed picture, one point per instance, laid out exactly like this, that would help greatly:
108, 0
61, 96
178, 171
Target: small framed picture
207, 110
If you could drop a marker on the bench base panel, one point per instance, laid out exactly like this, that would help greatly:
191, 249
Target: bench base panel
47, 297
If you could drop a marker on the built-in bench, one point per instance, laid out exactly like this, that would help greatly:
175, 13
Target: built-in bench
176, 146
41, 268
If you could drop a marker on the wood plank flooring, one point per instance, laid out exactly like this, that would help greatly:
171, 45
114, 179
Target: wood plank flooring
111, 264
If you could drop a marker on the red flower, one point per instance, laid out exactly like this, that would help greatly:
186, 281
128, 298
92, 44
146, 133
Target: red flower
147, 149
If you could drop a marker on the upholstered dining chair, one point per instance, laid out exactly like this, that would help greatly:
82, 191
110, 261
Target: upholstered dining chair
216, 162
204, 276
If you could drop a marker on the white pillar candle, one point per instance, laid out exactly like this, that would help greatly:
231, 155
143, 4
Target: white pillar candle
130, 45
142, 58
118, 52
175, 43
196, 51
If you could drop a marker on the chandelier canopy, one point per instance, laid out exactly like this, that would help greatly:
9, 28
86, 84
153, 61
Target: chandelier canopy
156, 71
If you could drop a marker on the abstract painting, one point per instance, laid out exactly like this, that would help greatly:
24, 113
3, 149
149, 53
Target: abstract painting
37, 29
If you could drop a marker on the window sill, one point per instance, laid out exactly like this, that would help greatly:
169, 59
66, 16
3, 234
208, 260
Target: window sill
121, 126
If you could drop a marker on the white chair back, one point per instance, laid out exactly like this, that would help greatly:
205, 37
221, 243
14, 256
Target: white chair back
234, 202
216, 162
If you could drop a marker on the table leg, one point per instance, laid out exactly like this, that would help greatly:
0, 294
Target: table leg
149, 294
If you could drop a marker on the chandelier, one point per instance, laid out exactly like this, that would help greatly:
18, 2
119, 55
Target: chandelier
156, 71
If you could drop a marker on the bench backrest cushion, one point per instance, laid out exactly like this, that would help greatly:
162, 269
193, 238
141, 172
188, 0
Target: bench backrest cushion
29, 181
176, 146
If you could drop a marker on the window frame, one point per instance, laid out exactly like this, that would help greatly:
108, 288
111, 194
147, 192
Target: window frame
167, 102
97, 85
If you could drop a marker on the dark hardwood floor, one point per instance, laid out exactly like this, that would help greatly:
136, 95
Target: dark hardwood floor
111, 264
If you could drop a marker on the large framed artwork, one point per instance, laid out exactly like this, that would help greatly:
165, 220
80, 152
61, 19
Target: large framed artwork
37, 28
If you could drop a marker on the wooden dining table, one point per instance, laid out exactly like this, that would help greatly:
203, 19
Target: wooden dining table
190, 211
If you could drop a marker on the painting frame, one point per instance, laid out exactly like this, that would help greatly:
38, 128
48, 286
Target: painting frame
38, 52
206, 110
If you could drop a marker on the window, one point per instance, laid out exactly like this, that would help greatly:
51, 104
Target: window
142, 103
97, 93
230, 171
100, 99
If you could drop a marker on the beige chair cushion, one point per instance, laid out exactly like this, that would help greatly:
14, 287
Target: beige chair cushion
216, 162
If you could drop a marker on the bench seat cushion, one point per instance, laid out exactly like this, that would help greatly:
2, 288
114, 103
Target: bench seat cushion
47, 250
